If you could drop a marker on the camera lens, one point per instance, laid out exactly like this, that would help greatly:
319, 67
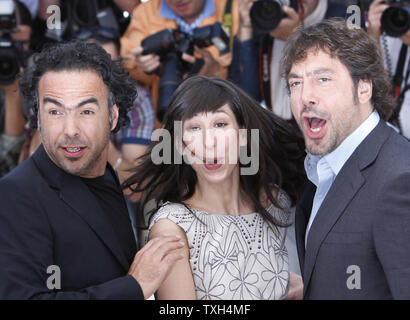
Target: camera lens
9, 67
266, 14
6, 67
396, 20
270, 9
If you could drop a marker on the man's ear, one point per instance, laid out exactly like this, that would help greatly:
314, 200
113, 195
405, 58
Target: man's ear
364, 91
114, 116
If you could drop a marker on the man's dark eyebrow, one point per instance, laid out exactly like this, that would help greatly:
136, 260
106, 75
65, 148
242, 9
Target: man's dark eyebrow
293, 75
87, 101
314, 72
59, 104
323, 70
53, 101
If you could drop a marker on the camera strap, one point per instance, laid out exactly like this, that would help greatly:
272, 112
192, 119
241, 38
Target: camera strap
398, 77
265, 53
227, 22
397, 83
301, 11
265, 56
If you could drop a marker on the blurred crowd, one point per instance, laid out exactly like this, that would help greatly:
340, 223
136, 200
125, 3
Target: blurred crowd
161, 42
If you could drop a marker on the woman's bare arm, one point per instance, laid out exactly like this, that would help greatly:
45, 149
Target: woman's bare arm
179, 283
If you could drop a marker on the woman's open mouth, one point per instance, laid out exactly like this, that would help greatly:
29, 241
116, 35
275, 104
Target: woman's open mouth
212, 164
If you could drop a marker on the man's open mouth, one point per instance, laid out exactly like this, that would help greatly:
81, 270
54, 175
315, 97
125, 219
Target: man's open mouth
73, 150
314, 126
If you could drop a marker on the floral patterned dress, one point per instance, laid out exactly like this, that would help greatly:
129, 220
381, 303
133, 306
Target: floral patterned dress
234, 257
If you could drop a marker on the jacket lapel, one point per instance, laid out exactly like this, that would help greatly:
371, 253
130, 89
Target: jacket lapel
339, 196
346, 185
303, 210
76, 195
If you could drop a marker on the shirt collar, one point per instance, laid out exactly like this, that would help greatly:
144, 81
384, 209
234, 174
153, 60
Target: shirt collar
338, 157
166, 12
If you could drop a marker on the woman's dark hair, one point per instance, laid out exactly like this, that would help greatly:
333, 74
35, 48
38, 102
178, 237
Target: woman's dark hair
77, 55
281, 150
354, 49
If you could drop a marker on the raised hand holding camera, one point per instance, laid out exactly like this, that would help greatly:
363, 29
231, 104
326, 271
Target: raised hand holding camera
374, 18
395, 19
206, 65
268, 15
169, 53
286, 25
148, 63
11, 52
391, 17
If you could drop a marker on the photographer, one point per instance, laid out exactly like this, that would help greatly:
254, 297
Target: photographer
156, 15
396, 59
12, 120
77, 14
256, 56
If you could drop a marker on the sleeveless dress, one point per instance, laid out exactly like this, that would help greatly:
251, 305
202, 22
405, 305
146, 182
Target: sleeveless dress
234, 257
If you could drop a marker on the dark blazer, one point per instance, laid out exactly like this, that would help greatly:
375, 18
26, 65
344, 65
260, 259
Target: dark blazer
49, 217
361, 233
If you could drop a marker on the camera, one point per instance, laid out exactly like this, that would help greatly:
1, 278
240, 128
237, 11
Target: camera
170, 44
82, 20
395, 20
267, 14
11, 52
7, 15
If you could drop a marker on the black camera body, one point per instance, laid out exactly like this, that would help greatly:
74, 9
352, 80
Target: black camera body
395, 20
170, 44
11, 52
267, 14
82, 20
7, 15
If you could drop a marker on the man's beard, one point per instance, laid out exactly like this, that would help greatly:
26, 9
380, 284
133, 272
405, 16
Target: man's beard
89, 164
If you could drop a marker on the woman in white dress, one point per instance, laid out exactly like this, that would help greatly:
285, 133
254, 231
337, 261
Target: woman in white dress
226, 190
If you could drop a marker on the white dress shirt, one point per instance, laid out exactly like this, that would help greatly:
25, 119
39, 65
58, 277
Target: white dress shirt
322, 171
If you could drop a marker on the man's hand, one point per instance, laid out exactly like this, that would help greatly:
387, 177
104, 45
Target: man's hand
12, 88
210, 68
148, 63
295, 287
153, 262
406, 38
245, 24
287, 25
376, 9
244, 7
14, 120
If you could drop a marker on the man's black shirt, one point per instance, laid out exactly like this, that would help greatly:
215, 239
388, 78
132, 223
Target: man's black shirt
106, 190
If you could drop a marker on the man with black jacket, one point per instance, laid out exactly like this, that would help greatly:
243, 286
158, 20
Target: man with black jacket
64, 228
